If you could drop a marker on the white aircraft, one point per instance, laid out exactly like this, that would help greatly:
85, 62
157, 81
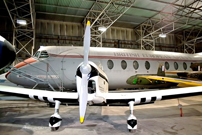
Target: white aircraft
108, 68
56, 66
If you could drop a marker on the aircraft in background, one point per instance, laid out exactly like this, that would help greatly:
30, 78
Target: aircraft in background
55, 67
88, 72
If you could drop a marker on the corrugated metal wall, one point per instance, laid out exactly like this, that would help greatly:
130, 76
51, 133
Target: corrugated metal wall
166, 44
64, 33
58, 28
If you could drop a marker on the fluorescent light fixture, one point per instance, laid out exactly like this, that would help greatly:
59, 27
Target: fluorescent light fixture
199, 53
162, 35
22, 22
2, 39
102, 28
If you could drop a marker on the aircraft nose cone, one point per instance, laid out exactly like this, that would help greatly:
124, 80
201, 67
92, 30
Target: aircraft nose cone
7, 53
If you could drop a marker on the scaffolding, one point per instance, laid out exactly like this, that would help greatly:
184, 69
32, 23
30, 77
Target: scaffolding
174, 17
23, 34
103, 14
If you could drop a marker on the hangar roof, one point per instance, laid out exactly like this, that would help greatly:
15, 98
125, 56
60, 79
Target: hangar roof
141, 11
148, 18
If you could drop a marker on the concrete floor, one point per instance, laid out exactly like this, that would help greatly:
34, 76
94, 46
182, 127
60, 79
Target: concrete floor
161, 118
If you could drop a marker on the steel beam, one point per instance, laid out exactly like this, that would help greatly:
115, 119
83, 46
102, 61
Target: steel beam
172, 18
23, 35
104, 14
190, 38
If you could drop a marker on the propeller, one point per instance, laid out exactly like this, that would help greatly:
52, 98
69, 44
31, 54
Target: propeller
7, 53
85, 69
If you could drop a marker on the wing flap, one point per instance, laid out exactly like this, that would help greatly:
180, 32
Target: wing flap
176, 72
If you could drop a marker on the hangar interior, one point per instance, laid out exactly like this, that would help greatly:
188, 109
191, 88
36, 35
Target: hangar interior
133, 24
164, 25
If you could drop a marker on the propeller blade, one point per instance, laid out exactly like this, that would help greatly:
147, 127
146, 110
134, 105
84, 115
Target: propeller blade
86, 43
85, 69
83, 97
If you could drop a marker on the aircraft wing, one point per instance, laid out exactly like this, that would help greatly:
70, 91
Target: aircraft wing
137, 97
177, 72
42, 95
174, 80
69, 97
152, 96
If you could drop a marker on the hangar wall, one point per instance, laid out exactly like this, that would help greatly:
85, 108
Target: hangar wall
6, 29
64, 33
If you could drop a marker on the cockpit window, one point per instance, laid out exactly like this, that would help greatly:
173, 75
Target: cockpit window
44, 54
37, 54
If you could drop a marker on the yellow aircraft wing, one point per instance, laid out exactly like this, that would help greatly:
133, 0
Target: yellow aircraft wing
175, 72
174, 80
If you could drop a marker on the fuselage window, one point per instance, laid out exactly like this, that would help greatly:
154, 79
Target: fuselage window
185, 66
44, 54
123, 64
147, 65
175, 65
110, 64
135, 65
167, 65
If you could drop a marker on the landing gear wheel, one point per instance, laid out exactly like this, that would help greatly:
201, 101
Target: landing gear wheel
55, 119
132, 120
54, 128
131, 130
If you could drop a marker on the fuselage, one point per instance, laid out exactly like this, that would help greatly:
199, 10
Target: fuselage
58, 64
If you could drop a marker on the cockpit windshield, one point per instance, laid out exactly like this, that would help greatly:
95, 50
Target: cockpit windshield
41, 54
37, 54
44, 54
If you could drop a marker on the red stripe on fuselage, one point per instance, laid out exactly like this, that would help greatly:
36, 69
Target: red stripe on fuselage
27, 61
121, 58
21, 64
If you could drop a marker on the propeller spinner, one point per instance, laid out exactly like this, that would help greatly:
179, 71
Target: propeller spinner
7, 53
85, 69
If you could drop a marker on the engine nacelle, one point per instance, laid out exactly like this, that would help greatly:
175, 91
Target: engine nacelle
97, 84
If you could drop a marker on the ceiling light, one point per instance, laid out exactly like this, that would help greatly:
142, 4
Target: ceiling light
102, 28
162, 35
22, 22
